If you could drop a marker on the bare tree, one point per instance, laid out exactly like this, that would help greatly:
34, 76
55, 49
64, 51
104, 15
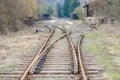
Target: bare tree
107, 8
13, 11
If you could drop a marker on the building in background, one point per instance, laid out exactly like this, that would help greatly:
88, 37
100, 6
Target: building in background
85, 4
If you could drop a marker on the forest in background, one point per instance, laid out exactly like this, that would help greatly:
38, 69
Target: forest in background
13, 13
64, 8
106, 8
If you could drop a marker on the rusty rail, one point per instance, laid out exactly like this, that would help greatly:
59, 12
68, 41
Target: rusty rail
59, 28
34, 66
45, 43
24, 76
38, 57
82, 67
74, 55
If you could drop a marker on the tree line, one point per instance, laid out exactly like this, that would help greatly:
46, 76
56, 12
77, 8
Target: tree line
66, 9
13, 13
69, 6
107, 8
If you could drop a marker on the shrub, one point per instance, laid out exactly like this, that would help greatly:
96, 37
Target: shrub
13, 11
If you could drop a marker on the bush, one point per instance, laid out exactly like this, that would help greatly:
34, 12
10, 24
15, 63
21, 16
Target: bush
13, 11
107, 8
80, 12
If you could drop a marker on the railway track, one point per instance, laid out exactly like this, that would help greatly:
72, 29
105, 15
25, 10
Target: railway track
58, 58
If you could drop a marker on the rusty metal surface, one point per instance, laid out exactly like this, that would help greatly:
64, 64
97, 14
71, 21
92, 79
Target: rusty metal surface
81, 63
75, 61
36, 57
39, 56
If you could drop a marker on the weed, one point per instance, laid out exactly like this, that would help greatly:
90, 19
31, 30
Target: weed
106, 47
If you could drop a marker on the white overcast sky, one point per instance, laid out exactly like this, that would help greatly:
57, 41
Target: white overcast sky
84, 1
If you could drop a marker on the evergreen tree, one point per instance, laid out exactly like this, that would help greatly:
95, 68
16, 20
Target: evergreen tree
66, 8
73, 5
50, 10
59, 10
69, 6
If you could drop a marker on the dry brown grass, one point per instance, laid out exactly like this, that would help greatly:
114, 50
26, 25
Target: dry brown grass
15, 46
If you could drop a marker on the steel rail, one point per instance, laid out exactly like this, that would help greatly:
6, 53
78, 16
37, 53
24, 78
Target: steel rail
34, 66
45, 43
47, 27
24, 77
75, 60
46, 49
59, 28
82, 67
34, 60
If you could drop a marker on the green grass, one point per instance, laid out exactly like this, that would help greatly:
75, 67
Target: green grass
106, 47
1, 78
8, 67
115, 76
